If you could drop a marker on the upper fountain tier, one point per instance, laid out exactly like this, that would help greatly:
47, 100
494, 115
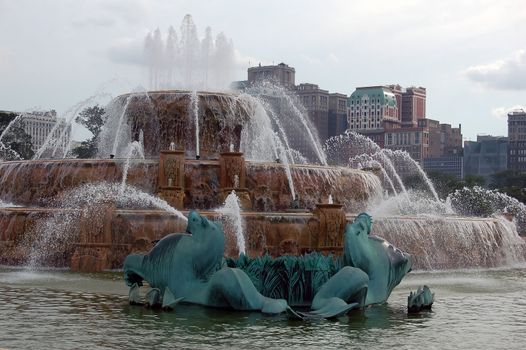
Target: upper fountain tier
182, 117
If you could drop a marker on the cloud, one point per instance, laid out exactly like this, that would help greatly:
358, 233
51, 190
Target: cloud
502, 112
333, 58
504, 74
127, 50
95, 22
6, 60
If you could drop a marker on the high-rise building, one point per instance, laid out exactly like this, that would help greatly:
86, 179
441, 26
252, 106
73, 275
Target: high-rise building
415, 140
371, 110
327, 111
413, 106
486, 156
451, 165
40, 124
280, 74
411, 103
450, 140
337, 114
316, 102
517, 140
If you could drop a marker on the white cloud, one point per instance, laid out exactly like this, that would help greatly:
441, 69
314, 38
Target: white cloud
504, 74
5, 60
333, 58
103, 22
502, 112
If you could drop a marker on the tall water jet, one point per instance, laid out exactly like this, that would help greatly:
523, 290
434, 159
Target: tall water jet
231, 212
135, 149
194, 107
184, 61
119, 126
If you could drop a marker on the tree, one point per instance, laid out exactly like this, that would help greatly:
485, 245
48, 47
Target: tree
19, 141
93, 119
510, 182
446, 184
16, 138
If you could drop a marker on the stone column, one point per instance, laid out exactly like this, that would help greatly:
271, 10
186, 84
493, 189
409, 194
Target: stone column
171, 177
327, 228
92, 251
232, 177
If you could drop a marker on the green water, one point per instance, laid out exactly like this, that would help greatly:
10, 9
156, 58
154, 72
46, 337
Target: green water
477, 309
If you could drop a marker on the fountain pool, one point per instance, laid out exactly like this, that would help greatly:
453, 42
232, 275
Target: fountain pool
474, 309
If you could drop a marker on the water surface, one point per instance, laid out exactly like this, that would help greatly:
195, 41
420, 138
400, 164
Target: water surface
474, 309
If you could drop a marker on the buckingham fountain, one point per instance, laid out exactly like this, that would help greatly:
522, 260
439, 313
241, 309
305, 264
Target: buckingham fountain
229, 200
174, 151
291, 232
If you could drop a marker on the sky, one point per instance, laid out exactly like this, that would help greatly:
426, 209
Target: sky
470, 55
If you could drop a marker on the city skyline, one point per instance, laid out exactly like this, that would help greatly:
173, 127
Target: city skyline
469, 56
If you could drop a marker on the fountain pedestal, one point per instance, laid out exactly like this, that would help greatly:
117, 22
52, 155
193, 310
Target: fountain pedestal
232, 176
93, 250
171, 177
326, 228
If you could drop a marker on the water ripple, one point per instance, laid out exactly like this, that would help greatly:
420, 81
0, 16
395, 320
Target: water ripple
474, 309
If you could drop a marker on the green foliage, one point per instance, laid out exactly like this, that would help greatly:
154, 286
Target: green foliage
510, 182
446, 184
16, 138
93, 119
470, 202
296, 279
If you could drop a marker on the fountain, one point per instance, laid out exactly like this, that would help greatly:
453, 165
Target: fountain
251, 159
228, 156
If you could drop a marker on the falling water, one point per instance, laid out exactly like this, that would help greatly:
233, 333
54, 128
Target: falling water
231, 211
438, 242
67, 119
408, 160
119, 126
292, 118
376, 164
379, 157
11, 123
284, 158
194, 107
308, 128
282, 134
86, 203
6, 153
259, 141
134, 149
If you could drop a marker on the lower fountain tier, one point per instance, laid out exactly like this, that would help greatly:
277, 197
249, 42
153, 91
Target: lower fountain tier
203, 184
434, 243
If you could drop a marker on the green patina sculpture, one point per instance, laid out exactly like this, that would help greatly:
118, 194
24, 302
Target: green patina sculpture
422, 299
190, 268
385, 264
